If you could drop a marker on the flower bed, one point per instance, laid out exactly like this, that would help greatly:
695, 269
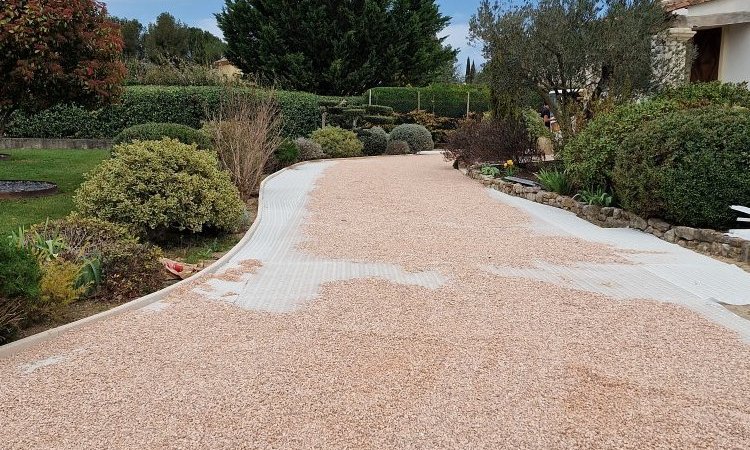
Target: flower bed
706, 241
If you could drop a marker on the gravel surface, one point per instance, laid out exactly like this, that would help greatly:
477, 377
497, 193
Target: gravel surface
24, 186
485, 361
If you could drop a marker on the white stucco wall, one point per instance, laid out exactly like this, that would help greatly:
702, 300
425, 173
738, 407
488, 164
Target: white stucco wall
734, 63
718, 7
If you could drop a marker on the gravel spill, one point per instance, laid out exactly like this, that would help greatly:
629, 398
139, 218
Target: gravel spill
483, 362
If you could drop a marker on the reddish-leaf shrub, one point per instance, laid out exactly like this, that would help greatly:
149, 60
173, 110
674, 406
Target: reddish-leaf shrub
491, 141
55, 51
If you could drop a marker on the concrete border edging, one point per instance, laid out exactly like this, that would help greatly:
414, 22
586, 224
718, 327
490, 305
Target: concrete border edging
12, 348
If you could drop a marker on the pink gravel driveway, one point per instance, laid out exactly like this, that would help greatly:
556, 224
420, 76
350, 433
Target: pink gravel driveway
483, 361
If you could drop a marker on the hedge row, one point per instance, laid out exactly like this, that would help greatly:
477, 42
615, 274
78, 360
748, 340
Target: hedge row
163, 104
445, 100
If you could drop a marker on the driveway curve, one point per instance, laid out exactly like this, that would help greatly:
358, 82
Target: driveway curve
394, 303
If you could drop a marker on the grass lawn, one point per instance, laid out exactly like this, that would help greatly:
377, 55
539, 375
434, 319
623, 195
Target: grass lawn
64, 167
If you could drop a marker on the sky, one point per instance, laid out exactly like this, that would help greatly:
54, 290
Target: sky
200, 13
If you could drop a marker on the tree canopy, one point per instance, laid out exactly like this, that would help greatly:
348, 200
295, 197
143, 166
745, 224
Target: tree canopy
336, 47
563, 46
55, 51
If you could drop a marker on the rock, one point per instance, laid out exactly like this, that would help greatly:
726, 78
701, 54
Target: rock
590, 210
607, 211
670, 236
687, 233
518, 188
617, 213
638, 223
659, 224
568, 202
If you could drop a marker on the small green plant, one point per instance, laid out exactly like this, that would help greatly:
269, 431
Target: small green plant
287, 153
595, 196
418, 137
490, 171
159, 131
554, 180
337, 142
510, 168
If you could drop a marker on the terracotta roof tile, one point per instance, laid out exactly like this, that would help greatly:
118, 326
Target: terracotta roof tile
672, 5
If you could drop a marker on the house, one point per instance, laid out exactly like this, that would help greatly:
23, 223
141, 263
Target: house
720, 32
227, 69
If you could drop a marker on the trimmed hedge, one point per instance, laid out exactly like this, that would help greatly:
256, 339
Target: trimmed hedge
186, 105
158, 131
375, 140
337, 142
688, 166
446, 100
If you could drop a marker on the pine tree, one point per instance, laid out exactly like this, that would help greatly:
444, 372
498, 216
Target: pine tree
473, 72
335, 47
467, 78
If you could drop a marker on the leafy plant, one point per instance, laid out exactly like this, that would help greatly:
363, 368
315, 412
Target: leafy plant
397, 148
59, 286
510, 168
337, 142
489, 170
595, 196
374, 140
554, 180
309, 149
161, 187
19, 272
418, 137
491, 141
287, 153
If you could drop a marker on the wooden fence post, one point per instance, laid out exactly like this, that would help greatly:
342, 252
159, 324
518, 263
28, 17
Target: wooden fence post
419, 100
370, 97
468, 104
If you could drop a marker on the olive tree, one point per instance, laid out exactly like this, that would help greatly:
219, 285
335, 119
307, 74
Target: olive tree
591, 48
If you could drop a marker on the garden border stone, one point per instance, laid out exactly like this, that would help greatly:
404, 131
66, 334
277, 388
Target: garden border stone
707, 241
54, 143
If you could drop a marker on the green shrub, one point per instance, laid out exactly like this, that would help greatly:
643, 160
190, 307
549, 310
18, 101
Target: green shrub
446, 100
58, 287
337, 142
374, 140
19, 272
161, 187
308, 149
687, 166
379, 110
418, 137
185, 105
378, 120
287, 153
397, 148
129, 268
554, 180
158, 131
705, 94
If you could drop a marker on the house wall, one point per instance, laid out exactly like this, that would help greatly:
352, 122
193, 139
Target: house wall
734, 64
718, 7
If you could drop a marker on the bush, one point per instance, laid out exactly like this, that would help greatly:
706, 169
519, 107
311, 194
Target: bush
337, 142
308, 149
129, 268
161, 187
185, 105
687, 166
418, 137
493, 141
379, 110
158, 131
11, 315
589, 157
554, 180
246, 132
58, 286
445, 100
19, 272
287, 153
398, 148
374, 140
438, 126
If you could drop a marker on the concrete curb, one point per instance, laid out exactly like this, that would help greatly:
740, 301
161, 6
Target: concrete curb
12, 348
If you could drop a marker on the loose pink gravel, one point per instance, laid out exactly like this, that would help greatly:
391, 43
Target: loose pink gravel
483, 362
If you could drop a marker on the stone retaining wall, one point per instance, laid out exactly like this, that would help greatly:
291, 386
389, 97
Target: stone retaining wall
41, 143
706, 241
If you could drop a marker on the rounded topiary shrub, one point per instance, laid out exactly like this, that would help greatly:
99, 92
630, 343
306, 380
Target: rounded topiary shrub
159, 188
337, 142
309, 149
397, 148
687, 166
375, 140
158, 131
418, 137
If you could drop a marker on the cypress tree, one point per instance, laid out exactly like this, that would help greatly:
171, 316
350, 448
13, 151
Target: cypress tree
336, 47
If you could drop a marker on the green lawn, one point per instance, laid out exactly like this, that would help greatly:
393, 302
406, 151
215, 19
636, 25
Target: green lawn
64, 167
